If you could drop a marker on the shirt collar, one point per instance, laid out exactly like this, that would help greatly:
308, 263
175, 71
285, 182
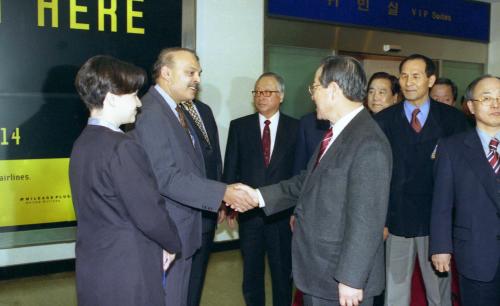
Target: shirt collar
104, 123
485, 139
170, 102
273, 119
344, 121
424, 108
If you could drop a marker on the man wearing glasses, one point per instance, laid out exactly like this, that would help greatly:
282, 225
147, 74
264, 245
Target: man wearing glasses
260, 151
465, 219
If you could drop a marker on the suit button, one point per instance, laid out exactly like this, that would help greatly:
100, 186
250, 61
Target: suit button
498, 214
498, 237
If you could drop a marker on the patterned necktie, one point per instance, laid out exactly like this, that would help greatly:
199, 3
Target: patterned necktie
415, 123
266, 143
324, 144
493, 155
182, 121
189, 106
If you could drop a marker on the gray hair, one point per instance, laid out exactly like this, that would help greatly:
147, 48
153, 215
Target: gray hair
469, 91
279, 79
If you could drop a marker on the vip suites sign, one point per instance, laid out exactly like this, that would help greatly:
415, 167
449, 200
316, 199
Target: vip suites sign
460, 19
42, 45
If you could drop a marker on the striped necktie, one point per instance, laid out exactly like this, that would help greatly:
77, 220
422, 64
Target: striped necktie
324, 144
493, 155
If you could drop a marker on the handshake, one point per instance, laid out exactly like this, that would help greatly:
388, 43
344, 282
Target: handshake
241, 197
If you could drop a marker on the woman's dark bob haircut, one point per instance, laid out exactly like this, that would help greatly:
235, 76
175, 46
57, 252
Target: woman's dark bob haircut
102, 74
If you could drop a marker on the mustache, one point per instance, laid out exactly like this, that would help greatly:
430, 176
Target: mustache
195, 85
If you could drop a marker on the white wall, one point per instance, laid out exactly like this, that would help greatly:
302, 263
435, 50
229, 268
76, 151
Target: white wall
494, 47
230, 44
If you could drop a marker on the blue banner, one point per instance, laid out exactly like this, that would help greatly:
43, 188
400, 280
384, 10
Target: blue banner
460, 19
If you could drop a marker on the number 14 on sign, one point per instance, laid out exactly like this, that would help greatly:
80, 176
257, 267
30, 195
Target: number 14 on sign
15, 136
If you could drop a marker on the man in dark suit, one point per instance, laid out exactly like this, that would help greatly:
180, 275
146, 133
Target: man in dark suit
413, 128
120, 232
465, 219
260, 151
341, 198
202, 119
175, 152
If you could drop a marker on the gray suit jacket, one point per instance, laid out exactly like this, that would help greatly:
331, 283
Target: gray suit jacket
340, 213
179, 169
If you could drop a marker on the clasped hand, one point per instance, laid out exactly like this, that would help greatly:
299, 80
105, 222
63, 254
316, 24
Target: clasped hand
241, 197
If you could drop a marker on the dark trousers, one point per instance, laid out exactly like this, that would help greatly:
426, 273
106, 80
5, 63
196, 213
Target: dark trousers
177, 282
199, 267
476, 293
310, 300
260, 235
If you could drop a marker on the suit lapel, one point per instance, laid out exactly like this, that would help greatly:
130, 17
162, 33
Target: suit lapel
335, 150
401, 135
432, 127
280, 143
476, 158
179, 131
254, 136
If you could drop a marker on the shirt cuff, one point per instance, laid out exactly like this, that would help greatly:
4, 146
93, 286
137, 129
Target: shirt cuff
261, 199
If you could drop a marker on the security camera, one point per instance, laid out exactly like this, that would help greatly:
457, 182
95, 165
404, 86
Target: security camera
392, 48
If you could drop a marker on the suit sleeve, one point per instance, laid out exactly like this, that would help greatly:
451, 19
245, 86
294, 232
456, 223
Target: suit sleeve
366, 209
440, 240
175, 183
135, 185
283, 195
231, 160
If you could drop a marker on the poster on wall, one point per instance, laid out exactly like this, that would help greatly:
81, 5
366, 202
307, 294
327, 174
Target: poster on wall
43, 44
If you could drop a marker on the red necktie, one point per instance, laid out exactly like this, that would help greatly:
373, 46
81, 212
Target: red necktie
415, 123
493, 155
266, 142
324, 145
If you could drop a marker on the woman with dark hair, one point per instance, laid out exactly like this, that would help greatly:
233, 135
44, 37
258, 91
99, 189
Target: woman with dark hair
122, 224
383, 90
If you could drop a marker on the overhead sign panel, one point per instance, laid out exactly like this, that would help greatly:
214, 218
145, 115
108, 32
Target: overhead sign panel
460, 19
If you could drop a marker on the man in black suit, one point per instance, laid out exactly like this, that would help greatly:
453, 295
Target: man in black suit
260, 151
122, 225
413, 129
465, 217
202, 120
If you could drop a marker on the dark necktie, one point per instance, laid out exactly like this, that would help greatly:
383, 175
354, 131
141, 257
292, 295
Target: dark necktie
182, 121
415, 123
493, 155
189, 106
266, 142
324, 144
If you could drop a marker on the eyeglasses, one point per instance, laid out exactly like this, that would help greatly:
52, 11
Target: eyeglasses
487, 101
312, 88
265, 93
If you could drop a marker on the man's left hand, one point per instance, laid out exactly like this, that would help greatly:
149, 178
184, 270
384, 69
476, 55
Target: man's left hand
349, 296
